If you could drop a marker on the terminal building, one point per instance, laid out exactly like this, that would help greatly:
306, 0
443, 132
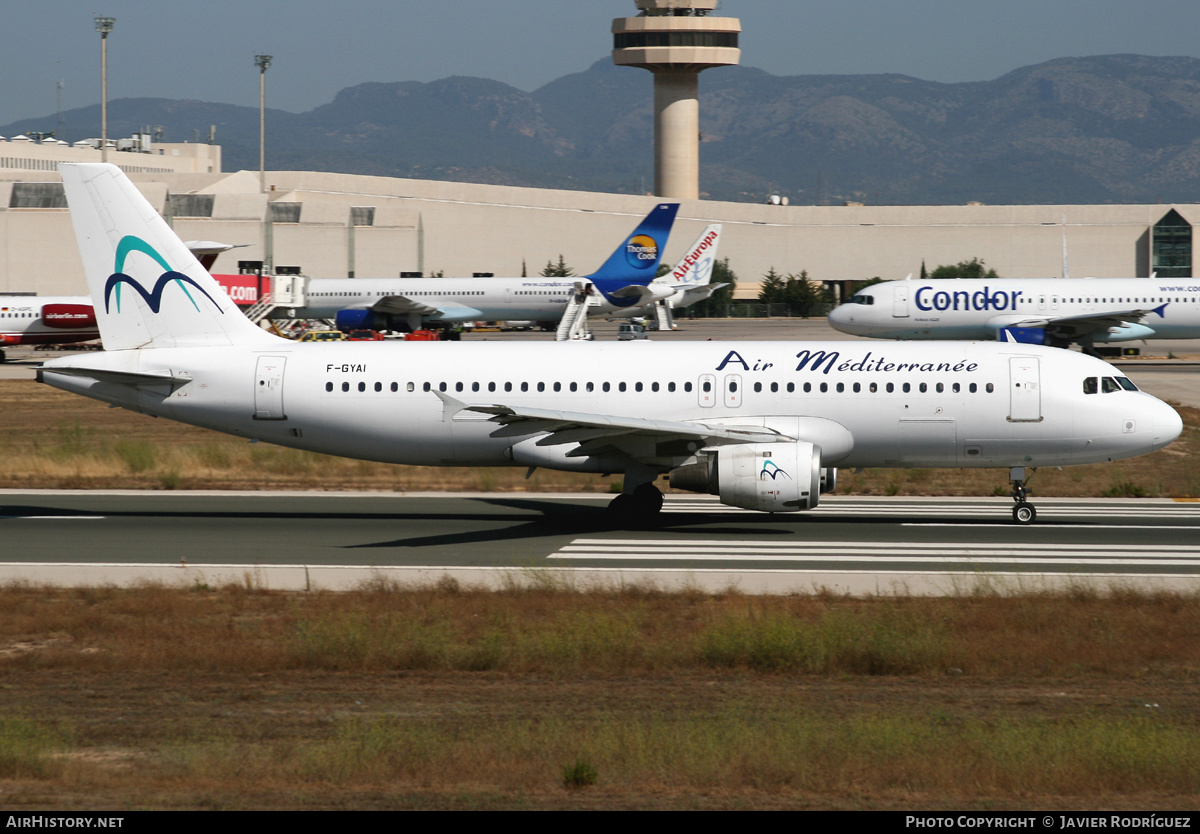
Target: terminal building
339, 225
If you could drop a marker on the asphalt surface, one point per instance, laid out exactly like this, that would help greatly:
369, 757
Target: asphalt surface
340, 540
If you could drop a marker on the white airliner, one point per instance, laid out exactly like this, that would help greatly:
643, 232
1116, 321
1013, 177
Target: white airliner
34, 320
1052, 311
375, 303
690, 280
761, 424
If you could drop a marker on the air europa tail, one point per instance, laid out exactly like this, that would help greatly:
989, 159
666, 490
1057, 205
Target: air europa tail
695, 268
636, 260
148, 289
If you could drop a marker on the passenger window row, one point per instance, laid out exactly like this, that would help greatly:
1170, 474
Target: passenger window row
671, 387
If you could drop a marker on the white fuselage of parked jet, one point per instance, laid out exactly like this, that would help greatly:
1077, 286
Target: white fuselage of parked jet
37, 320
1064, 310
446, 299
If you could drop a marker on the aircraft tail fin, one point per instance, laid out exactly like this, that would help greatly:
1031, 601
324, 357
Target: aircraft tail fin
148, 289
695, 268
636, 259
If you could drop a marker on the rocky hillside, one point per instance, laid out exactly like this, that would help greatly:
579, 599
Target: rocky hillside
1116, 128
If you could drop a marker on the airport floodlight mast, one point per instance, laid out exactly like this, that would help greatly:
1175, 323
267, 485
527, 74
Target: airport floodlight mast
104, 25
676, 40
262, 62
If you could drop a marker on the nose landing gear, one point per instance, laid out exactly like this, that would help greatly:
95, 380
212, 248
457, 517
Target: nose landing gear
1023, 512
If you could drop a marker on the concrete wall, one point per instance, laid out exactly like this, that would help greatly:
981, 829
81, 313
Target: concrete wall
462, 228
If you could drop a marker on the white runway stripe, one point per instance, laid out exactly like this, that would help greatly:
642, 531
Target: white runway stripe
882, 553
963, 508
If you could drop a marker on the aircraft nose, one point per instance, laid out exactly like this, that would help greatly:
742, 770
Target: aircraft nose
1168, 425
841, 318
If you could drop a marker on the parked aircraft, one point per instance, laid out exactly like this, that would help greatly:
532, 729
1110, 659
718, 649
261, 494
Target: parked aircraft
376, 302
690, 280
34, 320
1051, 311
760, 424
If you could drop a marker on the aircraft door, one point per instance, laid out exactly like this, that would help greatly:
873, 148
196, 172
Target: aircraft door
1025, 394
900, 302
706, 389
733, 390
268, 388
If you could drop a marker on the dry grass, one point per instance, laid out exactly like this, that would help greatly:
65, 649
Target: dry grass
52, 439
449, 697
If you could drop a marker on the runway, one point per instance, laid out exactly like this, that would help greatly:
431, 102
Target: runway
341, 540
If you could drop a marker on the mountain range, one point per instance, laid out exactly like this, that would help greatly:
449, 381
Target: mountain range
1113, 128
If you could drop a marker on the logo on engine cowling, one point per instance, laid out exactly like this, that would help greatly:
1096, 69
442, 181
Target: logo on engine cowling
641, 251
770, 469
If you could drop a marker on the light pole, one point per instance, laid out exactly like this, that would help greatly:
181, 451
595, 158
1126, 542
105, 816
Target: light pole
262, 62
104, 25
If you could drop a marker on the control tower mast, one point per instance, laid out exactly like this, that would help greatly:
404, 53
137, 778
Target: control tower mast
675, 40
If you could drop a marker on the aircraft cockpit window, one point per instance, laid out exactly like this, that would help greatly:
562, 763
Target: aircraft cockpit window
1109, 385
1126, 383
1091, 385
865, 300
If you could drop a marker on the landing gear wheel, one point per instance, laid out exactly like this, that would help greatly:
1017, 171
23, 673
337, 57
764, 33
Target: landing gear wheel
637, 507
649, 499
1024, 513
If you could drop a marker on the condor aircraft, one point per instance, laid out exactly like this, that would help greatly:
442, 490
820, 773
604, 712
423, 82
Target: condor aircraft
32, 320
762, 424
621, 282
1051, 311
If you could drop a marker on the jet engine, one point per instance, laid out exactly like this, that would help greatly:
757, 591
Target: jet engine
356, 318
770, 477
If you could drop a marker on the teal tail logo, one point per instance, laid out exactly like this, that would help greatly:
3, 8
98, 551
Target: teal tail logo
153, 298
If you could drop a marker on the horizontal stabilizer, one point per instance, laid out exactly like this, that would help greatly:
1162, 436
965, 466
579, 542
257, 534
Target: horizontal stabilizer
119, 377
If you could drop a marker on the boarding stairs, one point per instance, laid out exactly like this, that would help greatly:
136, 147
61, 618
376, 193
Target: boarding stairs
287, 294
573, 325
663, 316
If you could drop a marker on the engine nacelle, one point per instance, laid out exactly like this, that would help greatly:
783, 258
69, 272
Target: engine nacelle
355, 319
770, 477
828, 479
1024, 335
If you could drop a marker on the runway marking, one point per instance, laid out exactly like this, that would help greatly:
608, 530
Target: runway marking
52, 517
1009, 526
1178, 556
963, 509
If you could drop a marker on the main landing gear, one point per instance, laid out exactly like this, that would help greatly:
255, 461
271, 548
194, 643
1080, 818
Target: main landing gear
1023, 512
640, 501
642, 504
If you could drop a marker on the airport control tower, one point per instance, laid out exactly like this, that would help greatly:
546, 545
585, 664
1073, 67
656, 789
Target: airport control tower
675, 40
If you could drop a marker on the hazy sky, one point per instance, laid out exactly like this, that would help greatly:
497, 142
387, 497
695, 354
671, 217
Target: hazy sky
204, 50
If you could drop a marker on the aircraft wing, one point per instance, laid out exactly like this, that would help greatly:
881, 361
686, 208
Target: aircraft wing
635, 291
600, 433
402, 305
1073, 327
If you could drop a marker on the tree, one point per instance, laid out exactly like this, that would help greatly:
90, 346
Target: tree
974, 268
796, 291
557, 270
770, 291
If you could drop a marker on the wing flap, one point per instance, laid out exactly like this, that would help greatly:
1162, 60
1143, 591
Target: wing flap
402, 305
561, 427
